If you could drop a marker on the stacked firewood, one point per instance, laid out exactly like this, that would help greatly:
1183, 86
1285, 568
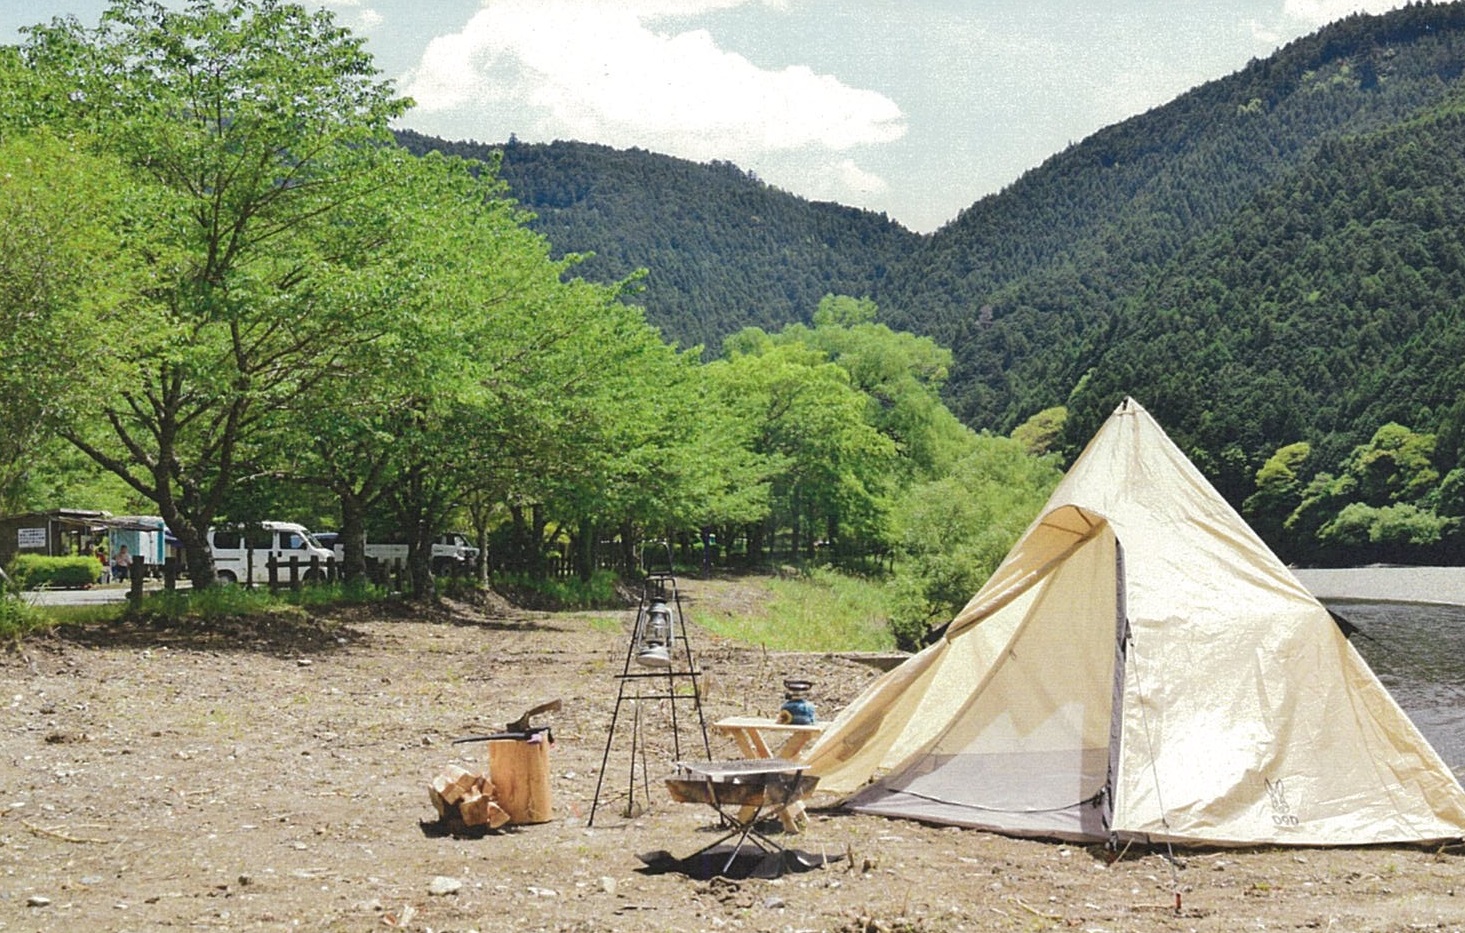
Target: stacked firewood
460, 796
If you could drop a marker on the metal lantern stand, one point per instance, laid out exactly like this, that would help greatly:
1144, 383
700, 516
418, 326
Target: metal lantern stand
659, 666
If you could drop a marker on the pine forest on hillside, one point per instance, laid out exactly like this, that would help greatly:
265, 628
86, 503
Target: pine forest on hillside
1273, 258
720, 250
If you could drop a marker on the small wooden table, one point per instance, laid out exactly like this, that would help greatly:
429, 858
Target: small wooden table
752, 735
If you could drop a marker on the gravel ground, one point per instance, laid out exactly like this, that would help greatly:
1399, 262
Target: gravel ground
272, 774
1438, 585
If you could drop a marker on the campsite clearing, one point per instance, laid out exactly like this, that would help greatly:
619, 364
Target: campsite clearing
274, 777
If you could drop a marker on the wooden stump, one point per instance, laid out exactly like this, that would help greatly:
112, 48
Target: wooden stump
520, 774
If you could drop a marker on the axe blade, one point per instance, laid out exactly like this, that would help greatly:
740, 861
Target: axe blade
522, 723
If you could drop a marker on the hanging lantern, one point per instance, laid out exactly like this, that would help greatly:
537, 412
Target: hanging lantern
655, 649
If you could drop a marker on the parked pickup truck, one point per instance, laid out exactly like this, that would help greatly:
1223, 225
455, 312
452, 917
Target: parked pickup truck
450, 552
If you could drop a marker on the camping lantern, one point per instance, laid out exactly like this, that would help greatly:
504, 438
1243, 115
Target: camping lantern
659, 647
655, 648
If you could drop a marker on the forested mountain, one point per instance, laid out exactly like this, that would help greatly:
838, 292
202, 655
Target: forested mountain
722, 250
1274, 264
1275, 256
1024, 285
1330, 306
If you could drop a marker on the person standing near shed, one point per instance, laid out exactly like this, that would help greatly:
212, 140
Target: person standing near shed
122, 565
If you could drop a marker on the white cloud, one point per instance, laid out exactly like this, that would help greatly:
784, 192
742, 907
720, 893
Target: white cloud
1320, 12
1262, 33
602, 71
652, 9
354, 13
853, 178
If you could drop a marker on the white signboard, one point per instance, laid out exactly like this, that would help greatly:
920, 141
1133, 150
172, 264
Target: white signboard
30, 538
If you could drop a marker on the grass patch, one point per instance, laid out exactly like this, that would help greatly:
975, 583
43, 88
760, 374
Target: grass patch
610, 624
91, 614
822, 611
213, 602
19, 618
560, 594
233, 601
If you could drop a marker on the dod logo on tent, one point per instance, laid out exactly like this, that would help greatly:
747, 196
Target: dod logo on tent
1142, 666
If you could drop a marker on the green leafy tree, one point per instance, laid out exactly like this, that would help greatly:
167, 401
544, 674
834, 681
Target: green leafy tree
1042, 432
1322, 499
262, 122
65, 288
830, 469
725, 482
1384, 498
952, 532
1396, 465
902, 374
1351, 528
1401, 532
1449, 498
1279, 488
452, 277
1407, 526
603, 447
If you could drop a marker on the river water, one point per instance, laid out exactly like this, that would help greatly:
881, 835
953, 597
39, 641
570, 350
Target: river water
1411, 631
1418, 652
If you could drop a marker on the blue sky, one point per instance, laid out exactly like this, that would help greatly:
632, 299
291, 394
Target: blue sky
916, 108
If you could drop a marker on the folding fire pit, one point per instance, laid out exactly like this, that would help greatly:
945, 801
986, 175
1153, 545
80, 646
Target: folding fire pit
741, 791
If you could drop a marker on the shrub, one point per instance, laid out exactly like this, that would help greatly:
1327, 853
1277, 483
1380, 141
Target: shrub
954, 531
36, 570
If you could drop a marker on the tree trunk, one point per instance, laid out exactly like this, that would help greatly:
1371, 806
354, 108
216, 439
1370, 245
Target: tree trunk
755, 544
353, 537
478, 511
198, 556
537, 522
419, 564
518, 557
194, 542
419, 548
585, 551
795, 534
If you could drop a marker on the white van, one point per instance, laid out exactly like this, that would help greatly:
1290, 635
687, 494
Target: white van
243, 554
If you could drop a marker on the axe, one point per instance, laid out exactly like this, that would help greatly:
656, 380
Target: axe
522, 723
519, 728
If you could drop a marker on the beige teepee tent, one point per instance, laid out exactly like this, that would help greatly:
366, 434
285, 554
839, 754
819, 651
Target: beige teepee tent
1141, 666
